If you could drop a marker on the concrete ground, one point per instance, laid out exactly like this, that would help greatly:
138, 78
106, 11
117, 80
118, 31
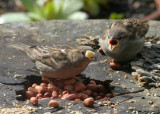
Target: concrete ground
14, 73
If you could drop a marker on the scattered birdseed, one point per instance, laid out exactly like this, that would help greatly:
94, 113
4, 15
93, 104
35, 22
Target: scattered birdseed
141, 84
124, 87
117, 72
131, 101
25, 64
110, 75
114, 105
17, 76
13, 37
146, 67
148, 94
131, 108
134, 74
69, 104
56, 33
104, 61
150, 102
117, 83
42, 40
107, 103
109, 69
155, 95
154, 106
115, 111
99, 103
68, 40
125, 76
76, 112
20, 110
131, 81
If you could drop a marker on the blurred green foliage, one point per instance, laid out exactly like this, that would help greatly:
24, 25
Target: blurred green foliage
116, 16
37, 10
47, 10
93, 6
53, 9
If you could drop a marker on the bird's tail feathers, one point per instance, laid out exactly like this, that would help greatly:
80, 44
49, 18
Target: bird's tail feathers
22, 47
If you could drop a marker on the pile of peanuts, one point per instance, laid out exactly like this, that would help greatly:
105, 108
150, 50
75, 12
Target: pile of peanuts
68, 90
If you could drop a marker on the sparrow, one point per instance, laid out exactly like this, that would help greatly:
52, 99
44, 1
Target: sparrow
124, 39
61, 63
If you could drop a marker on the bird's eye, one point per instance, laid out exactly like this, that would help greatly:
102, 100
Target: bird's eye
120, 38
83, 53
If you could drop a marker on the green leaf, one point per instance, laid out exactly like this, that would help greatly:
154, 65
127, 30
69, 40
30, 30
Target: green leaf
116, 16
49, 11
61, 9
53, 9
78, 16
71, 6
120, 16
35, 17
113, 16
93, 7
14, 17
41, 2
29, 4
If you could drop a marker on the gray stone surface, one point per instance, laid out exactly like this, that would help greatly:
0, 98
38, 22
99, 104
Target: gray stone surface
14, 66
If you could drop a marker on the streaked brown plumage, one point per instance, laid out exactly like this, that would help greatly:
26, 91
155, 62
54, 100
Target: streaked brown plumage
124, 39
59, 63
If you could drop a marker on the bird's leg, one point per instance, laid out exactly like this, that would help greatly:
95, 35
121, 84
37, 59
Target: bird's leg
46, 79
101, 51
114, 65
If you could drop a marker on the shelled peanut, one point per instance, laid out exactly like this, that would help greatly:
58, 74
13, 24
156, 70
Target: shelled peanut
68, 90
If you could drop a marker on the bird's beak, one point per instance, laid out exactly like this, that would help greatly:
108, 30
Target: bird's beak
91, 55
113, 43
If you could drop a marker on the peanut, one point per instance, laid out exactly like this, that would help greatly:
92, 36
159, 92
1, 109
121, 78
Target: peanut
30, 94
69, 97
34, 100
88, 102
79, 87
53, 103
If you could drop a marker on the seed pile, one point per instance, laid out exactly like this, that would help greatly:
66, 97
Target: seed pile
147, 66
71, 89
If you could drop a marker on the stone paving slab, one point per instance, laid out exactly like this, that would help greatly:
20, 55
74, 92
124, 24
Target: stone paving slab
142, 102
14, 64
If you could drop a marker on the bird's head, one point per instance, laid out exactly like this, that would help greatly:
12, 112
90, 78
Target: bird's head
83, 53
117, 38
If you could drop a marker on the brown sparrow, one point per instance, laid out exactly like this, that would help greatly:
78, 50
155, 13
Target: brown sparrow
61, 63
124, 39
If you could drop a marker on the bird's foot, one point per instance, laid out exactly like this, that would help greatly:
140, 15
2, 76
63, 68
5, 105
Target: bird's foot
46, 79
114, 65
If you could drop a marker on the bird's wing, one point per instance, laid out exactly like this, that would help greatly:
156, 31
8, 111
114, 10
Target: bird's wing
52, 57
138, 27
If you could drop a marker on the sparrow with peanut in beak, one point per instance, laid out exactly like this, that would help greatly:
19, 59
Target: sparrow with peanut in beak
61, 63
124, 39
